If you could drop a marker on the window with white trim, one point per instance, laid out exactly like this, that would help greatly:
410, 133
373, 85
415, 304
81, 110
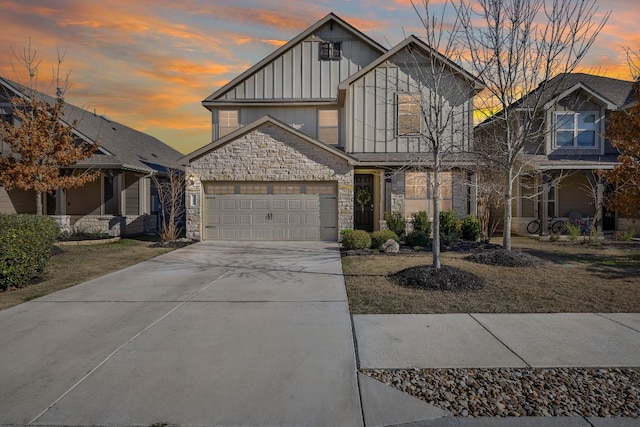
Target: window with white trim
409, 114
328, 126
227, 122
576, 129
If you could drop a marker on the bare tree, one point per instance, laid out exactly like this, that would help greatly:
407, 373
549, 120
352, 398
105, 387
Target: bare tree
41, 143
517, 47
170, 189
440, 92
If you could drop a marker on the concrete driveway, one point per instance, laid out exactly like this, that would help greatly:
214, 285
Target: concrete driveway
214, 334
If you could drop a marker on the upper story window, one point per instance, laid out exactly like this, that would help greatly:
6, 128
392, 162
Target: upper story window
227, 122
576, 130
330, 50
409, 114
328, 126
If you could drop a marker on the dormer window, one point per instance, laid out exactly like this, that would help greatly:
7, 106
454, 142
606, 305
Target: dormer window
576, 130
330, 50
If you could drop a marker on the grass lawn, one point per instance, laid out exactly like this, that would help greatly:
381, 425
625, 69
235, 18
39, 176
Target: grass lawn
574, 278
71, 265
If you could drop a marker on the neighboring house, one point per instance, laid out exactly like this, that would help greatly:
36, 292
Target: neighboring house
560, 179
327, 116
121, 201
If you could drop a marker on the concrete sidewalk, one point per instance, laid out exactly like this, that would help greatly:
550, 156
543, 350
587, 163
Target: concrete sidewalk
488, 341
498, 340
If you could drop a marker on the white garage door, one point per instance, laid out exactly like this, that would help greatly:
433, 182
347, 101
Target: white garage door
308, 211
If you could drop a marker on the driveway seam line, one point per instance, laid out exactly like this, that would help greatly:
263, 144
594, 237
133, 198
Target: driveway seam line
500, 341
615, 321
129, 341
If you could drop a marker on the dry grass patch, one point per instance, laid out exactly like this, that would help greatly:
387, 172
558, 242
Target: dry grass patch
573, 278
71, 265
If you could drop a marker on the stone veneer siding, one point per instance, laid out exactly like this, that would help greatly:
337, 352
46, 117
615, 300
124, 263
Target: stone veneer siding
112, 226
268, 153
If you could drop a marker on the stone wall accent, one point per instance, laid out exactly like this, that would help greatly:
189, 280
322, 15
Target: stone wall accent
113, 226
268, 153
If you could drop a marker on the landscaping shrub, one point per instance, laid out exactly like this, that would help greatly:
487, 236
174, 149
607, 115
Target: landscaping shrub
356, 239
470, 228
573, 230
379, 238
417, 238
449, 222
420, 222
395, 222
25, 247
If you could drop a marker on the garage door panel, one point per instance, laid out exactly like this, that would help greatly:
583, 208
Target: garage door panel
273, 216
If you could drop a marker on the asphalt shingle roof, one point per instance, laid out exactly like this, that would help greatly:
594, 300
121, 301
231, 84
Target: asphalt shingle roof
129, 149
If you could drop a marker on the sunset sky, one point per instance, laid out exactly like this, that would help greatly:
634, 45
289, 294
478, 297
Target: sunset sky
149, 63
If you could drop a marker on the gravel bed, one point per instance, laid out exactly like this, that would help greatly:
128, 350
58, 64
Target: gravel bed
588, 392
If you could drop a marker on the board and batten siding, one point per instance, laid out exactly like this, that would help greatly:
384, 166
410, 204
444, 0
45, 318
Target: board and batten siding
299, 73
371, 110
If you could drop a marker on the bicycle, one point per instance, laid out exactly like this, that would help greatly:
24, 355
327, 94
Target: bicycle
557, 226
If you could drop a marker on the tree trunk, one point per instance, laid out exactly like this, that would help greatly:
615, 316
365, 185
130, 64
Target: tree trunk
508, 195
39, 209
436, 219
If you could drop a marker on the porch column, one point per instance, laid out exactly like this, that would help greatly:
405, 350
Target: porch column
473, 194
61, 202
544, 215
119, 191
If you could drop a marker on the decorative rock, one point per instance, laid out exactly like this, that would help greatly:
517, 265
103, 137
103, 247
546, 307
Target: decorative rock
391, 247
523, 392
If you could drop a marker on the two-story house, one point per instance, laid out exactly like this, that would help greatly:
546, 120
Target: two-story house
560, 178
325, 134
121, 201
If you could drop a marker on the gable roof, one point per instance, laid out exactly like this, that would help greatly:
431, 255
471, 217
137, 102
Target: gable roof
410, 41
331, 17
405, 44
122, 147
614, 92
255, 125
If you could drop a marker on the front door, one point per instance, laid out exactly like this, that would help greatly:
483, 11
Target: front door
363, 202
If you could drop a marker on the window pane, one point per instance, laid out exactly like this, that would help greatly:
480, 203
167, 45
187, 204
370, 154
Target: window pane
587, 121
328, 118
586, 139
328, 135
564, 139
227, 122
409, 118
328, 126
416, 185
564, 121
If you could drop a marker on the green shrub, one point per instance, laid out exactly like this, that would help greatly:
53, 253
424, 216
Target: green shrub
573, 230
420, 222
417, 238
395, 222
449, 222
470, 228
356, 239
25, 247
379, 238
449, 238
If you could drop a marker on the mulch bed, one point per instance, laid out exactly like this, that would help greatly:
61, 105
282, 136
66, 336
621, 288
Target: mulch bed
447, 278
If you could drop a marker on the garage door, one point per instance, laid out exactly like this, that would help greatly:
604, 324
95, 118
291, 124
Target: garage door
270, 211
